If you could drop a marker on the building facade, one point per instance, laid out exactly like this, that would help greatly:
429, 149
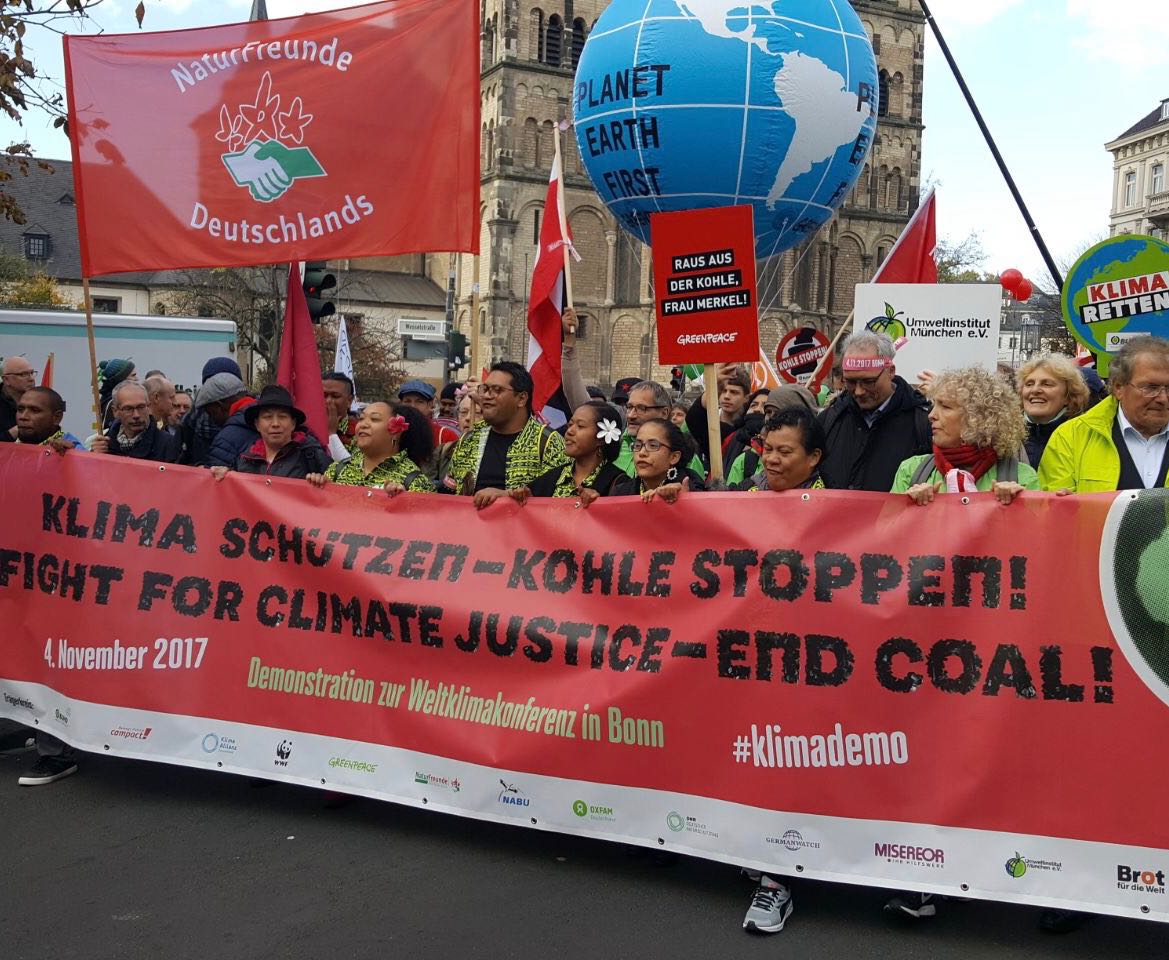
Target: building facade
1140, 190
529, 55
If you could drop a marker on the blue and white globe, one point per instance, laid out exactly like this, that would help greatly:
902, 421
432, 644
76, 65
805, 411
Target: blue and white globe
681, 104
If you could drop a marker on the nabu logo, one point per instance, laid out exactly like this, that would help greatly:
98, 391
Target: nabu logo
512, 796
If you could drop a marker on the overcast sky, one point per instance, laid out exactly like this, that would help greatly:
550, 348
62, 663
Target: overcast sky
1055, 79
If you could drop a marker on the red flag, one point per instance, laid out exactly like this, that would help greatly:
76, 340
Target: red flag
339, 134
299, 367
47, 373
546, 300
912, 258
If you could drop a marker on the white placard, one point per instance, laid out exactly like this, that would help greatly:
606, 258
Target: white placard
945, 325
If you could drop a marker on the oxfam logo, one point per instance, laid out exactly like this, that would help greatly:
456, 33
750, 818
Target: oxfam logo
1134, 555
1016, 866
580, 808
675, 821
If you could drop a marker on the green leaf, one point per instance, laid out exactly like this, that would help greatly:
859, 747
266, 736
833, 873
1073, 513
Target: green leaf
889, 311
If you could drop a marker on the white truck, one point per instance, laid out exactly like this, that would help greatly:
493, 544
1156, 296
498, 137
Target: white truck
178, 346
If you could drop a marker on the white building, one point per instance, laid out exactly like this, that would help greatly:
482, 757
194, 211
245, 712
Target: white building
1140, 190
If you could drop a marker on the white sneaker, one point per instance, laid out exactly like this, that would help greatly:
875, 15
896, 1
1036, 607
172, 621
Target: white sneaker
770, 907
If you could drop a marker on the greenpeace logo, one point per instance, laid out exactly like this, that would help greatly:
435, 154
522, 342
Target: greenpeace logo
931, 857
17, 701
361, 766
131, 733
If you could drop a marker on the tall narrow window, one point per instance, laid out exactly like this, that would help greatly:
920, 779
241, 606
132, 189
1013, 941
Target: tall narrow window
1157, 181
579, 32
883, 93
536, 35
554, 41
1130, 189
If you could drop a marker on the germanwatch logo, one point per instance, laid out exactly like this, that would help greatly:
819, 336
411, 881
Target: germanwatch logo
258, 138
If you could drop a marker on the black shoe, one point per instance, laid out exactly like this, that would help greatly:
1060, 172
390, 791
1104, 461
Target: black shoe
1062, 921
912, 906
18, 741
48, 770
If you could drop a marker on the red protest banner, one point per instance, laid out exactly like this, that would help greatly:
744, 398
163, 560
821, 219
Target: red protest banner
833, 684
704, 283
269, 141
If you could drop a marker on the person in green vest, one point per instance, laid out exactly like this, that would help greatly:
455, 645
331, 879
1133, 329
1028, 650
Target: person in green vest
1122, 443
978, 432
509, 447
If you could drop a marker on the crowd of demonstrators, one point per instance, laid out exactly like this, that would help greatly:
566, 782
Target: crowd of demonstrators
1052, 426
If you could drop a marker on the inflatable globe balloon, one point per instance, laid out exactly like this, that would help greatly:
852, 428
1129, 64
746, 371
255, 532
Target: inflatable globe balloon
682, 104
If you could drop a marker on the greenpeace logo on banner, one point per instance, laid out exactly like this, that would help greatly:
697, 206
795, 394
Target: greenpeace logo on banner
593, 812
793, 840
690, 339
774, 749
931, 857
266, 154
1130, 297
283, 752
443, 783
512, 796
213, 743
1136, 880
677, 823
131, 733
1018, 865
345, 763
17, 701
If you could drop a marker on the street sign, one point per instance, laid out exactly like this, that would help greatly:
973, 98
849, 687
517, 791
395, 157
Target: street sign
421, 329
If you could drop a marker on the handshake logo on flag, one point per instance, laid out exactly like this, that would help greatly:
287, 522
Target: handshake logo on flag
257, 138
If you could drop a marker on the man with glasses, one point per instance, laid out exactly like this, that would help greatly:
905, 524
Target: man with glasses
18, 376
647, 401
1122, 443
879, 420
134, 432
508, 448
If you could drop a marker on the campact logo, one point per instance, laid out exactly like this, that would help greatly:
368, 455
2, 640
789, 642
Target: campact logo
265, 144
1018, 865
933, 858
131, 733
283, 752
1136, 880
512, 796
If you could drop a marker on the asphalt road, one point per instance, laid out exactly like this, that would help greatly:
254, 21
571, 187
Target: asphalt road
129, 859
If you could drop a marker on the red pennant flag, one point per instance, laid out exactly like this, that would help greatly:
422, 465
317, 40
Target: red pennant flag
912, 258
546, 300
339, 134
299, 367
47, 373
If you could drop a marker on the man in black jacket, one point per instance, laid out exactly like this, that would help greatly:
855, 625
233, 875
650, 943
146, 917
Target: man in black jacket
878, 421
134, 432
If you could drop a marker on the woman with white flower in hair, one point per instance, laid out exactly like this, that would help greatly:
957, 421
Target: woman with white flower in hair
592, 442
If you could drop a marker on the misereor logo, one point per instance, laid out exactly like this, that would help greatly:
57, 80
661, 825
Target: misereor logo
932, 857
1134, 555
266, 151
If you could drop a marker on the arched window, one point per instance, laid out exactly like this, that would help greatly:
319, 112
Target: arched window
554, 40
893, 201
536, 35
579, 32
860, 196
547, 148
883, 93
531, 148
627, 270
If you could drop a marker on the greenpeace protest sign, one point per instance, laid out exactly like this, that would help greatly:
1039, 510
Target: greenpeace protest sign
265, 142
943, 325
833, 684
704, 278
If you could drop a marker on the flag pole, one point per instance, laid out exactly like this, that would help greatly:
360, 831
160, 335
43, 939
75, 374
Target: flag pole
97, 412
714, 437
476, 370
568, 303
831, 347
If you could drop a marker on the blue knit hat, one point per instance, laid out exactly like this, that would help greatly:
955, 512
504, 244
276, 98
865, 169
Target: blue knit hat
220, 365
112, 372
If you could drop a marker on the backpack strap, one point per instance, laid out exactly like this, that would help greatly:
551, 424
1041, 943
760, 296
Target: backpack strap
923, 471
1008, 470
411, 477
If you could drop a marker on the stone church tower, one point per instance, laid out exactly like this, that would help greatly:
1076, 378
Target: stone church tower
529, 53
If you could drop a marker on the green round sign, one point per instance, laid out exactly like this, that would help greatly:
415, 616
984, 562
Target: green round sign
1117, 290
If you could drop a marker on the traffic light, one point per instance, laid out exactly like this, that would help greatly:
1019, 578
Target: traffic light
677, 379
456, 350
317, 280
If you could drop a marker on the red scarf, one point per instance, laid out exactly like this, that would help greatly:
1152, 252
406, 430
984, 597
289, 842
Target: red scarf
975, 460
